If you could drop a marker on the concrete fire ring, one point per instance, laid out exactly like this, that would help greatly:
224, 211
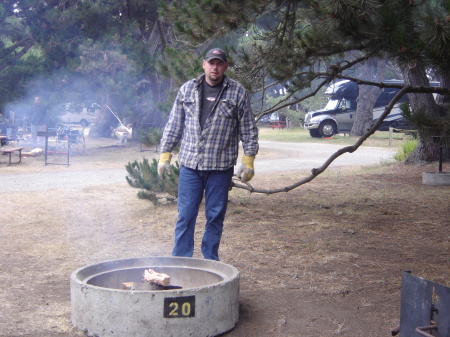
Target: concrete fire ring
207, 303
436, 178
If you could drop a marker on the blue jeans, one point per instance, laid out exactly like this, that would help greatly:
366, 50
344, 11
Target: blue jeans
191, 186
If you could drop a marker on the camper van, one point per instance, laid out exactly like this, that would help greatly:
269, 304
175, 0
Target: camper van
84, 117
340, 112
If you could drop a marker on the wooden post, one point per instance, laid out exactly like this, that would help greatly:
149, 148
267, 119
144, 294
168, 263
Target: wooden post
390, 136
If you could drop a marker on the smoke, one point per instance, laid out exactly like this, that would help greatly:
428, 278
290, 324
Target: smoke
103, 76
55, 92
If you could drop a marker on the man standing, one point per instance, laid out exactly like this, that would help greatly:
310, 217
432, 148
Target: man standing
37, 119
210, 115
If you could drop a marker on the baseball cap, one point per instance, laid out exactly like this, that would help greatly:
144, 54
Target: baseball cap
216, 53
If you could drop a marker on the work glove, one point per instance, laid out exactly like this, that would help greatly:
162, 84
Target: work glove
246, 171
164, 164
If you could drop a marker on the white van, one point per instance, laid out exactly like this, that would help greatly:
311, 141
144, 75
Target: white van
86, 117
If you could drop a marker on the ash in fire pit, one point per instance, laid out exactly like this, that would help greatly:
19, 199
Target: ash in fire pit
147, 286
201, 298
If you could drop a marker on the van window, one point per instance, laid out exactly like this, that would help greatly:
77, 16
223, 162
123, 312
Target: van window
345, 104
331, 105
386, 96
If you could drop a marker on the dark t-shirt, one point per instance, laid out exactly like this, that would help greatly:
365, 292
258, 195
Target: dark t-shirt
37, 115
209, 96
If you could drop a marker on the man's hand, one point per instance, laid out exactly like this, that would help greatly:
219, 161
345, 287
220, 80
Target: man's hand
164, 164
246, 171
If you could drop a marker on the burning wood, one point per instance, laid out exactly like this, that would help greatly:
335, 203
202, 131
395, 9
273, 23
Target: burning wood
151, 281
159, 278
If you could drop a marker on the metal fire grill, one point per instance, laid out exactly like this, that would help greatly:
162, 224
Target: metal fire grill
424, 308
202, 302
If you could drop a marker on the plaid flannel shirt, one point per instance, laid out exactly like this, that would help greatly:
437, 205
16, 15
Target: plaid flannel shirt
216, 146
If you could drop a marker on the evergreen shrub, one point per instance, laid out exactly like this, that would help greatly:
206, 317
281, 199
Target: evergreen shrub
144, 175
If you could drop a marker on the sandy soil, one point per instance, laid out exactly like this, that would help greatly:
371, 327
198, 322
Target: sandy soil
322, 260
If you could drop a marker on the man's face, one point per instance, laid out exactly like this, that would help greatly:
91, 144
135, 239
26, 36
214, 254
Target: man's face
214, 70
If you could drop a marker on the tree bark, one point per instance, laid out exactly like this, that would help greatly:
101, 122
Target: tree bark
427, 150
367, 97
364, 110
444, 100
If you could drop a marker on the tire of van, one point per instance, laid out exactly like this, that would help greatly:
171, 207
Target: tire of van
327, 129
314, 133
84, 123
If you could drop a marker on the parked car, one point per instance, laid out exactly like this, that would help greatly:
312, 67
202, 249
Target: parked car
84, 119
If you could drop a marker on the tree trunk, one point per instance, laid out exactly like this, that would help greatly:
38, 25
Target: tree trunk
367, 96
105, 119
364, 111
444, 100
426, 150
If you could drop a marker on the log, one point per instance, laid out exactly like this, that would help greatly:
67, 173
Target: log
159, 278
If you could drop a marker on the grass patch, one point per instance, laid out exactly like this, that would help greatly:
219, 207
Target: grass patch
300, 135
405, 149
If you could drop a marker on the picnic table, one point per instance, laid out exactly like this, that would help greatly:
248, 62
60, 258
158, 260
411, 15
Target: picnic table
278, 125
9, 151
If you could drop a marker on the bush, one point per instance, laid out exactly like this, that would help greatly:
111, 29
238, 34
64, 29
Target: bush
145, 176
405, 149
150, 137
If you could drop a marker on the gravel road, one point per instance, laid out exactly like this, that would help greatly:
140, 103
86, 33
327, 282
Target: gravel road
299, 156
273, 157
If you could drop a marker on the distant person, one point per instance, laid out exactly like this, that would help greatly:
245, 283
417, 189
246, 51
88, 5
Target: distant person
211, 114
123, 132
37, 119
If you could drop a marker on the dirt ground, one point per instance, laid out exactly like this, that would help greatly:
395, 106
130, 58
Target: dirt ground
323, 260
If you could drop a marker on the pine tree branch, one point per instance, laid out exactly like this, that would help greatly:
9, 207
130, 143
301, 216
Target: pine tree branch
348, 149
25, 43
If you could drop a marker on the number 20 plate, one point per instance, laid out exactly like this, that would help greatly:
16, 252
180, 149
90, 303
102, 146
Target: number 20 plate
179, 307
